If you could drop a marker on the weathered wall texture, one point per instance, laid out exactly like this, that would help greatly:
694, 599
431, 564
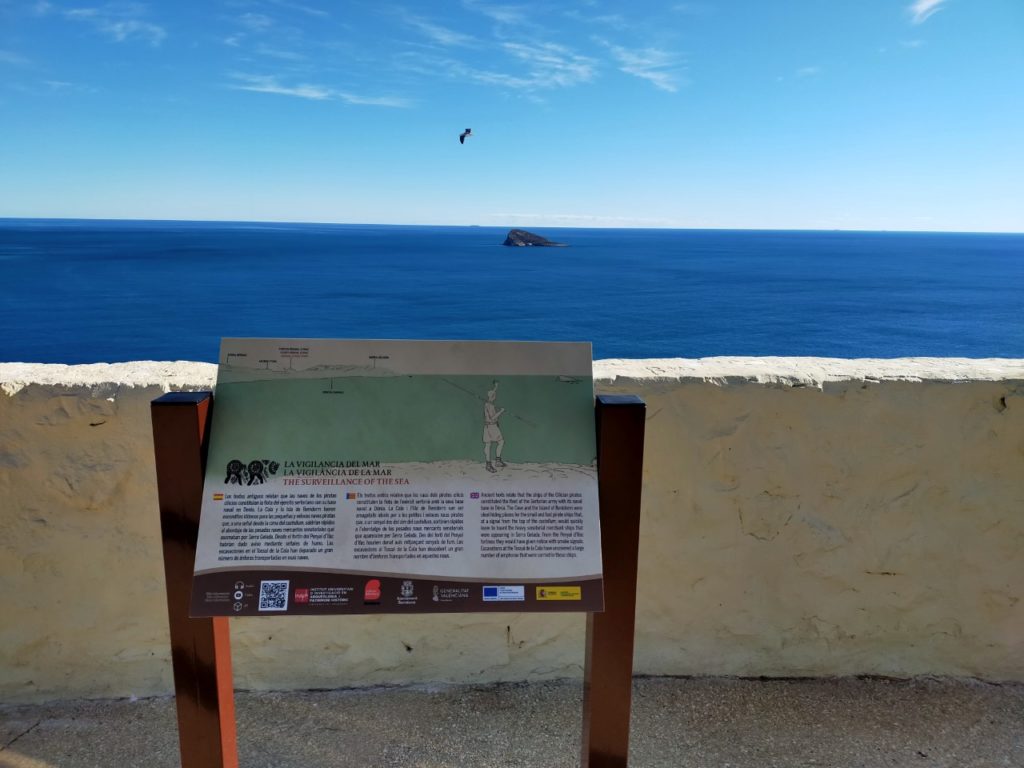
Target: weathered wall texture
801, 517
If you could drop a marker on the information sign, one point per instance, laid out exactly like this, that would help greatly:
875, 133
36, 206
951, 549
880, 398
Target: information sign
399, 477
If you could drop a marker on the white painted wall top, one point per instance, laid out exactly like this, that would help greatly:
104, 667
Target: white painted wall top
789, 371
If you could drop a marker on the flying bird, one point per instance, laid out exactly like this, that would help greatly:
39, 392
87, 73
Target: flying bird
466, 133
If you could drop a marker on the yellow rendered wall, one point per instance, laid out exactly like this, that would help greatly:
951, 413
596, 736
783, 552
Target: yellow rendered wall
801, 518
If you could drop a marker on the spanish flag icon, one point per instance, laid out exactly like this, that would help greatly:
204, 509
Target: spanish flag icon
218, 497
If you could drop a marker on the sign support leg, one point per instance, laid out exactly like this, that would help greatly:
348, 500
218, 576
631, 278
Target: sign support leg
200, 648
608, 669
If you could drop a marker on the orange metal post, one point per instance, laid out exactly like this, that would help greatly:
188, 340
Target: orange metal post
200, 648
608, 669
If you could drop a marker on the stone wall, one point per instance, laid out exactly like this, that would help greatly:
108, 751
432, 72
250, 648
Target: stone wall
801, 517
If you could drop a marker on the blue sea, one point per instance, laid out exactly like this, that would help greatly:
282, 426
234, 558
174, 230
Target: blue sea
106, 291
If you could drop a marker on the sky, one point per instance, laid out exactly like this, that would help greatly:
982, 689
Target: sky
789, 114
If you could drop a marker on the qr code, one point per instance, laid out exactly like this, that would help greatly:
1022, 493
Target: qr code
273, 595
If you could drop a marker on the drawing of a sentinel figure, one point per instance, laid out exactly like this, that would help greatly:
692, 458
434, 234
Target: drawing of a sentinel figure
492, 430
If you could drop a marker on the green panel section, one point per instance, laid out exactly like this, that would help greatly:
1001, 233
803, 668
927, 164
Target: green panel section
402, 419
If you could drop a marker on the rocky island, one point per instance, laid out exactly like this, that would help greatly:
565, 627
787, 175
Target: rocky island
520, 237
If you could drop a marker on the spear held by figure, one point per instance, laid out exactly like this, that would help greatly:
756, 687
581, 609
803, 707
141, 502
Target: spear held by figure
484, 400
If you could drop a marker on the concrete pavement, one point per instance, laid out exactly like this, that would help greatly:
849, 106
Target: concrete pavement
867, 723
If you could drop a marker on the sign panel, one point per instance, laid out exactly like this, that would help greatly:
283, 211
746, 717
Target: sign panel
399, 477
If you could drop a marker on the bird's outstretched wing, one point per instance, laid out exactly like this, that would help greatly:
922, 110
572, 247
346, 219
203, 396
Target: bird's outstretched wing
462, 139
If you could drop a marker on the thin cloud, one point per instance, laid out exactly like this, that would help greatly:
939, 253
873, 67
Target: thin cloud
255, 22
120, 22
306, 9
134, 29
373, 101
693, 9
504, 14
270, 84
277, 53
310, 92
427, 64
652, 64
616, 20
552, 64
16, 59
921, 10
808, 71
434, 66
613, 20
554, 219
439, 34
912, 43
504, 80
548, 66
65, 86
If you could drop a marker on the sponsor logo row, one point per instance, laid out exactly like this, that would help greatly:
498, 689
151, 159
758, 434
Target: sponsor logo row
274, 594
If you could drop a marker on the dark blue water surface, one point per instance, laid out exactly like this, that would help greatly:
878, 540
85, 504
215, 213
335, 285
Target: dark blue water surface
103, 291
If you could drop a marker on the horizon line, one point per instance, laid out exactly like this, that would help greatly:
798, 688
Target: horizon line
501, 226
